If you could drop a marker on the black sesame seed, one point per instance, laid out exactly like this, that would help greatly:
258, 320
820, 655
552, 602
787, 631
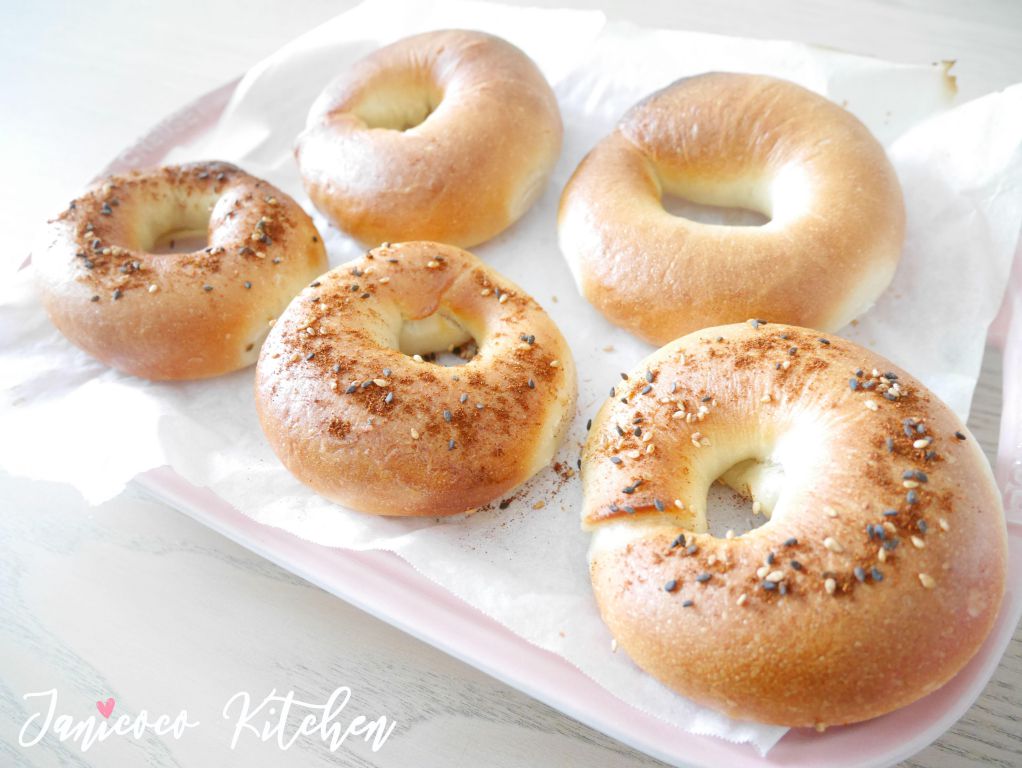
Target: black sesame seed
859, 372
629, 489
624, 376
921, 429
649, 376
310, 355
891, 544
612, 391
889, 442
782, 588
790, 542
117, 294
351, 389
629, 509
770, 558
463, 398
796, 565
207, 288
106, 210
670, 586
386, 372
792, 350
365, 295
88, 263
909, 431
447, 416
769, 586
94, 298
589, 425
645, 390
890, 396
959, 435
691, 549
891, 376
389, 398
532, 384
637, 431
853, 384
875, 574
688, 603
703, 577
620, 432
450, 445
824, 342
615, 459
929, 456
860, 573
922, 526
678, 542
315, 284
890, 513
504, 503
912, 497
248, 284
658, 504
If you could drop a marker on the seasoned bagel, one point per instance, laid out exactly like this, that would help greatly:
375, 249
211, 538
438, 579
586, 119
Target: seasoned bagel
446, 136
836, 214
879, 572
176, 315
354, 411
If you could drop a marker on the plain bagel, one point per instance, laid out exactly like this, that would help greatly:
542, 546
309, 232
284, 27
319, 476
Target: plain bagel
836, 213
354, 410
446, 136
881, 568
176, 315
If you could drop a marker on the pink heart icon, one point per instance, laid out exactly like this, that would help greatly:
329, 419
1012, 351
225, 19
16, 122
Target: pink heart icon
105, 707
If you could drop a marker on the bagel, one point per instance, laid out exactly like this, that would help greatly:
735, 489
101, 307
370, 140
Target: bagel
830, 248
175, 315
446, 136
354, 411
879, 572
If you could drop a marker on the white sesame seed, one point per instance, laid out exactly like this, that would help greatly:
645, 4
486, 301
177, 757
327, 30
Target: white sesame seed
154, 288
633, 454
833, 545
786, 364
555, 363
415, 433
927, 580
757, 507
417, 358
775, 576
762, 571
944, 526
679, 503
380, 382
742, 599
730, 534
613, 645
766, 398
829, 511
650, 448
503, 298
432, 264
678, 415
882, 555
539, 504
484, 292
922, 443
830, 585
384, 280
918, 543
910, 483
871, 404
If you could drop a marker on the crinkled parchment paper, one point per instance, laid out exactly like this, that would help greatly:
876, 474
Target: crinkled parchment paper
65, 417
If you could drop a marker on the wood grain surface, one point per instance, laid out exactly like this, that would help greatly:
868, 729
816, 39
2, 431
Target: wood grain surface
133, 600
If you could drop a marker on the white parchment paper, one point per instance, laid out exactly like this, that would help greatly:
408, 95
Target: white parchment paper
65, 417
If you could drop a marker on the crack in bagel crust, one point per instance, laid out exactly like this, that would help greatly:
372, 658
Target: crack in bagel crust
881, 568
835, 206
379, 431
447, 135
175, 315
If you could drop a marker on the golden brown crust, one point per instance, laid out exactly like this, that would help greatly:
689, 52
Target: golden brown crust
884, 492
465, 173
175, 315
728, 139
366, 425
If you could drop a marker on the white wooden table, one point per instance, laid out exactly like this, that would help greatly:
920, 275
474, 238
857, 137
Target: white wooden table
134, 598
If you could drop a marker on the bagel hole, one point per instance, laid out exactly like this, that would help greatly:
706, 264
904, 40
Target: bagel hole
180, 241
437, 339
399, 106
743, 497
722, 215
